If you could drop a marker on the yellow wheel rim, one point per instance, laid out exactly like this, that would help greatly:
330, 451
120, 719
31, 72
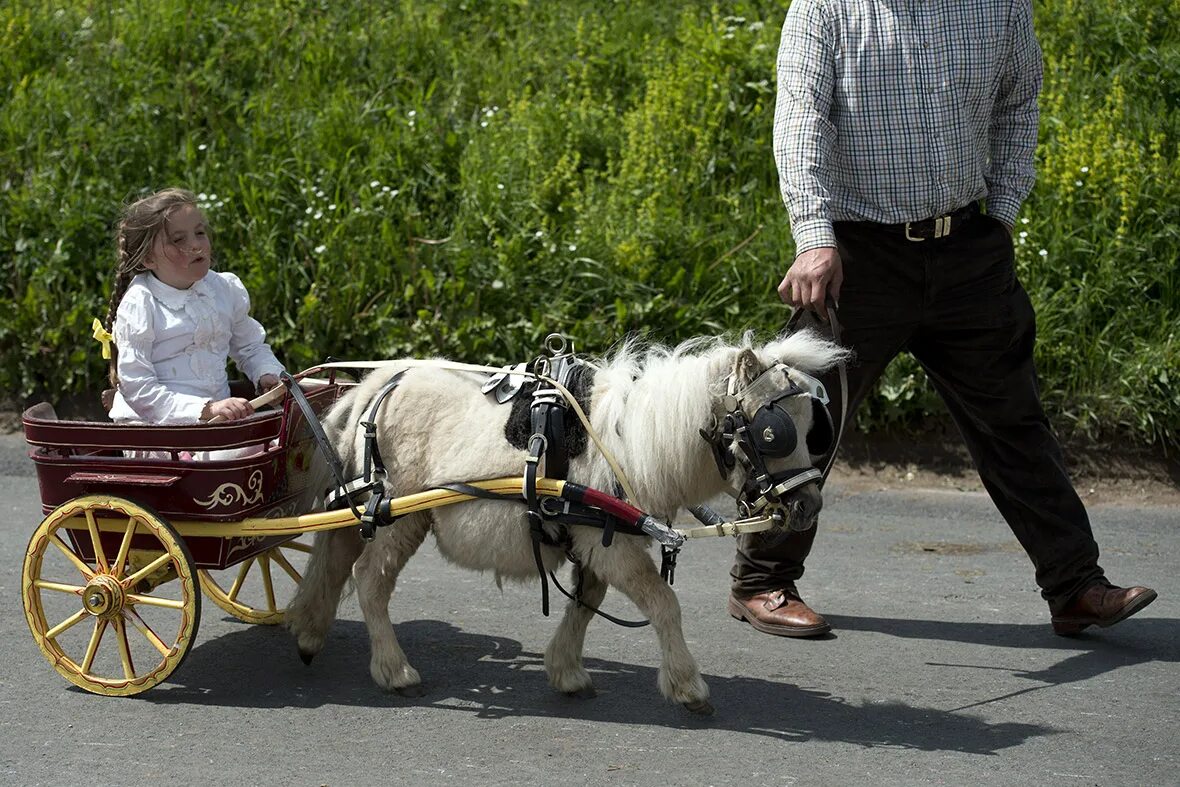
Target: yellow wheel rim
258, 590
99, 597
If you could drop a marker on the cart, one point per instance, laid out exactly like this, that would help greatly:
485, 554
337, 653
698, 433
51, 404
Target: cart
134, 531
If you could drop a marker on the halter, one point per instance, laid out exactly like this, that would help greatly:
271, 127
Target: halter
769, 433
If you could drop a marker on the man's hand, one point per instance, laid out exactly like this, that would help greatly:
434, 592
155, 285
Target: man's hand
266, 382
815, 275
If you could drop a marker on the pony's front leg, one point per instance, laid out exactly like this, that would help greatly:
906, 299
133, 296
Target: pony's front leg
313, 609
627, 566
563, 657
376, 575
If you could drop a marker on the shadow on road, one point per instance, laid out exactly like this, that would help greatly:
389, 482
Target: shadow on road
1135, 641
494, 678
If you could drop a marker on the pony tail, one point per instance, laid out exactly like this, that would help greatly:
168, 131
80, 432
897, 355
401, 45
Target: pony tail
123, 276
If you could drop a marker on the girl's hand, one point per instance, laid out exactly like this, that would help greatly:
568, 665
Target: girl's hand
230, 409
266, 382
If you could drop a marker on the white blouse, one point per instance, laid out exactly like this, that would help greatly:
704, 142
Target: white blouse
173, 345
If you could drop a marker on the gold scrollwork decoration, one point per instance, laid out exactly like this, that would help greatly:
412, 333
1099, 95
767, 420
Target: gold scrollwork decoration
229, 493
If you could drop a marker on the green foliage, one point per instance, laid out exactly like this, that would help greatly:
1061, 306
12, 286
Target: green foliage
461, 177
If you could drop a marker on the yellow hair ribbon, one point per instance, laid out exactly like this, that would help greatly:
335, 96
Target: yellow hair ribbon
104, 338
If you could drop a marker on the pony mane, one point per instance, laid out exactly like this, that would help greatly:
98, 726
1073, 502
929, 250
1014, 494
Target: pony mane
651, 400
805, 350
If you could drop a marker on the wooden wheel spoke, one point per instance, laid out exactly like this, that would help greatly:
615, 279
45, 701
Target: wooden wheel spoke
240, 580
87, 572
60, 587
146, 630
296, 546
285, 564
100, 626
67, 624
124, 548
153, 601
147, 570
100, 558
267, 584
124, 649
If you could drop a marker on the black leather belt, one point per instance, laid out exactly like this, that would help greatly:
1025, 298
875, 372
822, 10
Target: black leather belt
937, 226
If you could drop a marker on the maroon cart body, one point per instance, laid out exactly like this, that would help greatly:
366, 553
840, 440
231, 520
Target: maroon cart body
76, 458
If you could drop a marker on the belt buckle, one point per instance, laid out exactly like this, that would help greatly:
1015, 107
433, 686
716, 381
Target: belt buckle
942, 228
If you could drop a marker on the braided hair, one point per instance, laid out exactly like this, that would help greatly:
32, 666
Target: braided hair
141, 223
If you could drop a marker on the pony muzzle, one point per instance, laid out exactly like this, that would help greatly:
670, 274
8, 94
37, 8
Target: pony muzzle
793, 495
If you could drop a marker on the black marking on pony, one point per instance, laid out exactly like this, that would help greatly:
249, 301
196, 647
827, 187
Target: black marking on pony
518, 430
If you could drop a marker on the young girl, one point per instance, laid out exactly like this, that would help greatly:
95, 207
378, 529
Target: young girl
176, 321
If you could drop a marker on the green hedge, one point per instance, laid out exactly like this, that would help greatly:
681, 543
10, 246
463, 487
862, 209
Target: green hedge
462, 178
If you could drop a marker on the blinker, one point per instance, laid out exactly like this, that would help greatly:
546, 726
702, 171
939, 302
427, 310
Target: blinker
773, 430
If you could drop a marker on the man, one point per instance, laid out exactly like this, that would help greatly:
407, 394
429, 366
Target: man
895, 119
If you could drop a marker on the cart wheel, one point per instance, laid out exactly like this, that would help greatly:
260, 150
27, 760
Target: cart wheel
98, 596
258, 590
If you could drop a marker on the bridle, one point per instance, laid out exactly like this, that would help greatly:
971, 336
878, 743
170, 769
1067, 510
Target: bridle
758, 422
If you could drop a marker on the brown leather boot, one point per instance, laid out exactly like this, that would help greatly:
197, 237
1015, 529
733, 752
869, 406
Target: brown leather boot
1101, 605
779, 612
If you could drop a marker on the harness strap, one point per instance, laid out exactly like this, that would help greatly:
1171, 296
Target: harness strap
376, 512
835, 324
475, 491
576, 597
321, 438
536, 522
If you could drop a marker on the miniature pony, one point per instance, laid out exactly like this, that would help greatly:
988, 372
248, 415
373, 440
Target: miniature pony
652, 408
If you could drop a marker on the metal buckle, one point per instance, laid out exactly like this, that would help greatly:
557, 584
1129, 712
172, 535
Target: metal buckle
942, 228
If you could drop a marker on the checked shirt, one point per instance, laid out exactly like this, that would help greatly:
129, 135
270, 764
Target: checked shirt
899, 110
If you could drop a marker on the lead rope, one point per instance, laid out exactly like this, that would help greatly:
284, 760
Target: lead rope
835, 325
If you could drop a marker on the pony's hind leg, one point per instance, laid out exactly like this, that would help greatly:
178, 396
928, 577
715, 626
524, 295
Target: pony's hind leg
563, 657
314, 607
628, 567
376, 575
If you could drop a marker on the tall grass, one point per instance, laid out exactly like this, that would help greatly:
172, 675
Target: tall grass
463, 177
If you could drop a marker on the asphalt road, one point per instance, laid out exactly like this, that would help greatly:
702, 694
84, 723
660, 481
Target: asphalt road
942, 670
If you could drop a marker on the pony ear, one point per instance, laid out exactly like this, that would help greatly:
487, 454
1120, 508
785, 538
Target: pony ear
746, 367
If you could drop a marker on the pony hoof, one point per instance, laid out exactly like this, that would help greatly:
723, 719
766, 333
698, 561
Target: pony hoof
306, 656
701, 707
412, 691
584, 693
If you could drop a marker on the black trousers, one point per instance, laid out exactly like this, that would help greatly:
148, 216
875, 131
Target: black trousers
955, 304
